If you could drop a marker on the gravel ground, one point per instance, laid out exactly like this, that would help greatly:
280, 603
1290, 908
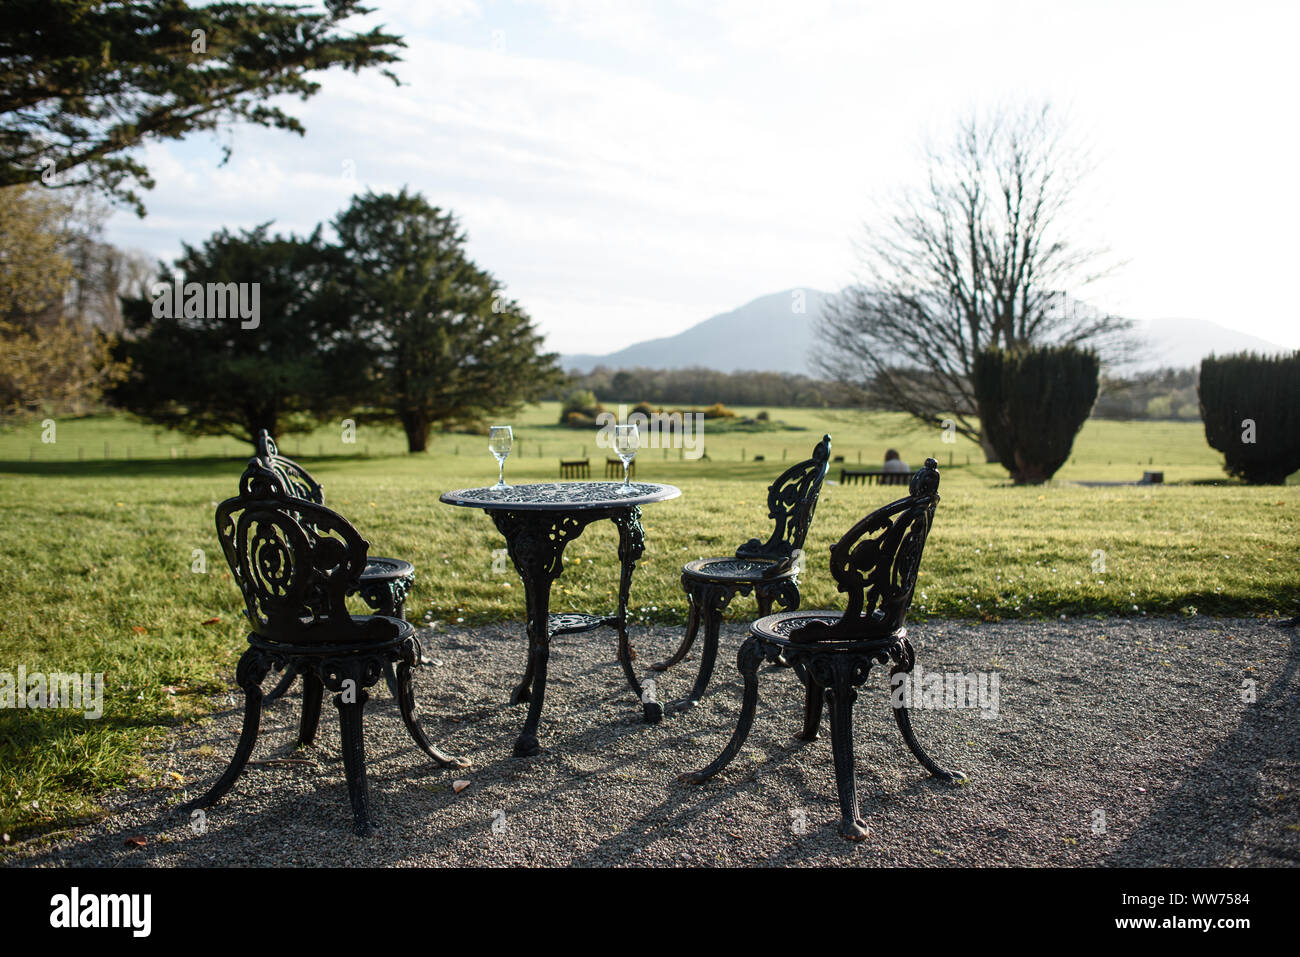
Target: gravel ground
1140, 720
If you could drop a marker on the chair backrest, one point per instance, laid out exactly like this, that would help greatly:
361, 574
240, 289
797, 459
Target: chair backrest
791, 501
876, 564
295, 562
575, 469
297, 479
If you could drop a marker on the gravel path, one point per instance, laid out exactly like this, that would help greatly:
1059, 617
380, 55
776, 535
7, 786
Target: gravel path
1142, 721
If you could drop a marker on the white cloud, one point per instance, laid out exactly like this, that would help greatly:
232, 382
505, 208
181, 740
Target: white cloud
630, 169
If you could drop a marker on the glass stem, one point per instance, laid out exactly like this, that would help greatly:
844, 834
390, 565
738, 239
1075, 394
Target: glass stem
626, 484
501, 472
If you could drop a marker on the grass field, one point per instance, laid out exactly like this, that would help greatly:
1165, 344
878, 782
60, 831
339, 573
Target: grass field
103, 531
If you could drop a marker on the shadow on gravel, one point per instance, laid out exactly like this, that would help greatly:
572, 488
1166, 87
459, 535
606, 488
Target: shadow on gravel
1204, 821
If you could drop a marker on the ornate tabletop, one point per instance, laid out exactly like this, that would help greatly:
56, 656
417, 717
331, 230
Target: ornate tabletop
561, 496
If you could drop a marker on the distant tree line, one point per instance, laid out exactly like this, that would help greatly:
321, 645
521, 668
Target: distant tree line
1159, 394
705, 387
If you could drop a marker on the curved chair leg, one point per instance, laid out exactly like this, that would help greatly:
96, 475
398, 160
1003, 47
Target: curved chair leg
814, 697
282, 687
251, 672
905, 726
390, 606
390, 679
842, 696
312, 693
787, 593
712, 626
354, 759
406, 701
692, 627
747, 662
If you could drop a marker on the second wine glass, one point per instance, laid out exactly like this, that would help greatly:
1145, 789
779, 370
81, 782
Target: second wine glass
501, 438
626, 441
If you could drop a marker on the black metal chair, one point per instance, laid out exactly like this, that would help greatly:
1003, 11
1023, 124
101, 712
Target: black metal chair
384, 584
875, 564
295, 562
768, 569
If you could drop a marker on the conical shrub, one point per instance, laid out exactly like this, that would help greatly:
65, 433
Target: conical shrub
1250, 405
1032, 402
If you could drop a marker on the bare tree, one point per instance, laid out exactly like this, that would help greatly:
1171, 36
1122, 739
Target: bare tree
981, 255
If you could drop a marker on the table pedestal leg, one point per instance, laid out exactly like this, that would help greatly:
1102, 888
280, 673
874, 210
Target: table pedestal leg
535, 542
631, 546
539, 653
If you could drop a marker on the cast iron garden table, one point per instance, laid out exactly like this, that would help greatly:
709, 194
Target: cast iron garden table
538, 521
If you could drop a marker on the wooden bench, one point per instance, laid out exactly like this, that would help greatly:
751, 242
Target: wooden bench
576, 469
873, 477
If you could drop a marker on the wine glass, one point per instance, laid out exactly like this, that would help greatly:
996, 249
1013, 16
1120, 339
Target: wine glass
626, 440
500, 440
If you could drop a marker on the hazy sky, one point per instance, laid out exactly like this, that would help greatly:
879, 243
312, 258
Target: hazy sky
630, 168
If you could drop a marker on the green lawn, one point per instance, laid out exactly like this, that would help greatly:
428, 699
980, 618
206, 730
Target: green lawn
98, 552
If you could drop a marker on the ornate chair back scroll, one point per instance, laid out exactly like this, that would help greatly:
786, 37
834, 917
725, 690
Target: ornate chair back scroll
791, 502
876, 564
297, 479
383, 583
295, 563
769, 569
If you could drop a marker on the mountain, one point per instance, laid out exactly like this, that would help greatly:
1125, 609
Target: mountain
1179, 343
768, 334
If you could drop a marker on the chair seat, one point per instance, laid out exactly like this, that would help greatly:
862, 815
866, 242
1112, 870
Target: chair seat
333, 645
778, 627
386, 569
732, 569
